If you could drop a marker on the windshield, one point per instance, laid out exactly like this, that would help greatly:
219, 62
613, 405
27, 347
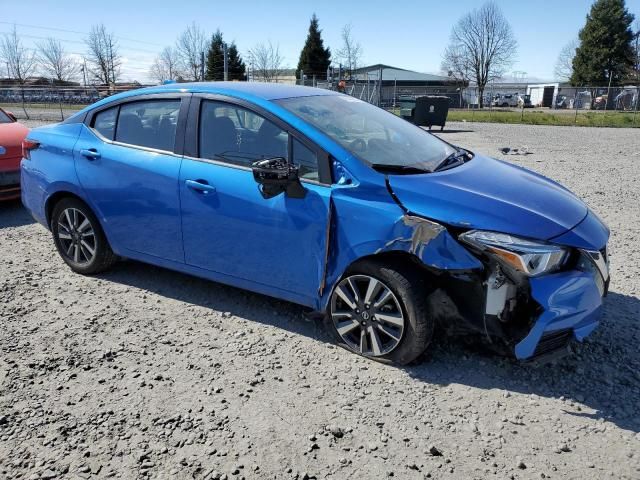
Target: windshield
4, 118
372, 134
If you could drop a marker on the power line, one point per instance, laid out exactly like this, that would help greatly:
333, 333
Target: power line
77, 32
81, 42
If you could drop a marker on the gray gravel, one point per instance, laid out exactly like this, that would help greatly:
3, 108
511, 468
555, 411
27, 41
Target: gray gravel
142, 372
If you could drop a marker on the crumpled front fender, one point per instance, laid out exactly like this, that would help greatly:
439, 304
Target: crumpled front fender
431, 243
355, 234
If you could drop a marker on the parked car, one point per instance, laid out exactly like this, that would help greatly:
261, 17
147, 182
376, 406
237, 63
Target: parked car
524, 101
12, 134
318, 198
600, 102
508, 100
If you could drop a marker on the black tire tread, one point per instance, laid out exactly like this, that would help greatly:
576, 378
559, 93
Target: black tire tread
414, 293
105, 258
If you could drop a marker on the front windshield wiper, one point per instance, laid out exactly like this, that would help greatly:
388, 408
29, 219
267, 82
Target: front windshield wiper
399, 169
458, 157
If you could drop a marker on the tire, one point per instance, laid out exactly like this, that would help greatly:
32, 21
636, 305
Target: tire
79, 237
410, 297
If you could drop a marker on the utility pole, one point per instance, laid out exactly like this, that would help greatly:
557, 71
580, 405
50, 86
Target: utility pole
84, 72
225, 62
380, 87
202, 66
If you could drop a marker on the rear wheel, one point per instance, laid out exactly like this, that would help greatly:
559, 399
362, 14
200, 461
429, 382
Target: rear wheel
79, 238
382, 313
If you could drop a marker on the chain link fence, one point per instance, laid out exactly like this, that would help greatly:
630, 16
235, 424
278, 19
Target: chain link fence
52, 103
553, 104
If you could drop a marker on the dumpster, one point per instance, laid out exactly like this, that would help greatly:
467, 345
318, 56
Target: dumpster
430, 111
407, 106
425, 111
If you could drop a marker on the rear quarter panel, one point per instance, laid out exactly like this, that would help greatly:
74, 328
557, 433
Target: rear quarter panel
51, 168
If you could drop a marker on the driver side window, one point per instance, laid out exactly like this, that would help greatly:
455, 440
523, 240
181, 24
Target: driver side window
235, 135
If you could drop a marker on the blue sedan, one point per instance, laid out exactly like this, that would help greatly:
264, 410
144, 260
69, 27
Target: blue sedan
320, 199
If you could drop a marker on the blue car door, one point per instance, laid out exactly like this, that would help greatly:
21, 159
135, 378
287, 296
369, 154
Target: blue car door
126, 164
272, 245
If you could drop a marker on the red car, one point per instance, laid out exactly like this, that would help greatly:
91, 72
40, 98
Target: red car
11, 135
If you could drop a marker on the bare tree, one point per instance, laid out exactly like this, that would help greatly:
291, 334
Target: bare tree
481, 48
21, 61
564, 64
351, 51
191, 45
103, 55
266, 62
56, 62
166, 65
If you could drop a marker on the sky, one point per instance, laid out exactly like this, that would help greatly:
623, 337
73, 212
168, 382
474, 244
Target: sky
410, 34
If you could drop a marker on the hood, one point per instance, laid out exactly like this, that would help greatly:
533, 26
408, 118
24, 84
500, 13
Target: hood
11, 136
489, 194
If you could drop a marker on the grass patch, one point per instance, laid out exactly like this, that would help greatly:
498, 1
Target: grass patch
585, 119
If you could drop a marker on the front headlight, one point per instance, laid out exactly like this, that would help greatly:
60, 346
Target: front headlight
529, 257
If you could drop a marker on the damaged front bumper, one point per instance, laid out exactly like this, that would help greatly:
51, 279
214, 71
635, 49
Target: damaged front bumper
571, 303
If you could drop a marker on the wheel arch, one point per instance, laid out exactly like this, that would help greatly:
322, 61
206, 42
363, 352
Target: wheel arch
55, 198
399, 259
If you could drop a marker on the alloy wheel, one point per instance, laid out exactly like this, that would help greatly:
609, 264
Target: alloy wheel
367, 315
77, 236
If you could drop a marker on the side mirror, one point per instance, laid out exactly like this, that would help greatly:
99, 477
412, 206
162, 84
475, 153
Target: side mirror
11, 116
275, 175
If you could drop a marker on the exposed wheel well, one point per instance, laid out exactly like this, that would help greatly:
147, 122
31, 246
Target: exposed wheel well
54, 199
404, 261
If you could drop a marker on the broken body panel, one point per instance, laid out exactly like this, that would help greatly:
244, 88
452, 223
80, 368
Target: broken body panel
525, 315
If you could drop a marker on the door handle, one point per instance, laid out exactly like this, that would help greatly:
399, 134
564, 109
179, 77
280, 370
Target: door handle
200, 186
91, 153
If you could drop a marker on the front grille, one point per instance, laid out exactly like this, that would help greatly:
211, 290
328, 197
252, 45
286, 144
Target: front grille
553, 341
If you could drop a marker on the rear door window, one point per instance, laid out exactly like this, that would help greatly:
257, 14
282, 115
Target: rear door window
150, 123
105, 122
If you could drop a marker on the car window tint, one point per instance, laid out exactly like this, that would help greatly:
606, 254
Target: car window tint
149, 124
306, 159
105, 122
235, 135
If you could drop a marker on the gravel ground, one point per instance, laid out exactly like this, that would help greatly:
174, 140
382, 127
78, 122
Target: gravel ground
142, 372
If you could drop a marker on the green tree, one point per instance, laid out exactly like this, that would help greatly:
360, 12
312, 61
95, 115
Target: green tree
215, 60
237, 69
605, 52
314, 58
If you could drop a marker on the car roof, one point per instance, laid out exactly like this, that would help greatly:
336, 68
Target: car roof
253, 91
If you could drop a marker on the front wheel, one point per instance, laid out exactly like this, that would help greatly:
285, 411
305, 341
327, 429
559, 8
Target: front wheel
382, 313
79, 237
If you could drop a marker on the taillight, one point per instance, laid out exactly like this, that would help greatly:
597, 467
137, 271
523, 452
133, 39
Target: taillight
27, 146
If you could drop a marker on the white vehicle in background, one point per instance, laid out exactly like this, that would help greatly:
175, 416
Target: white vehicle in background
505, 100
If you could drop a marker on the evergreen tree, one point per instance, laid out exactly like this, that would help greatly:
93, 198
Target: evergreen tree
314, 58
605, 51
215, 60
237, 70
